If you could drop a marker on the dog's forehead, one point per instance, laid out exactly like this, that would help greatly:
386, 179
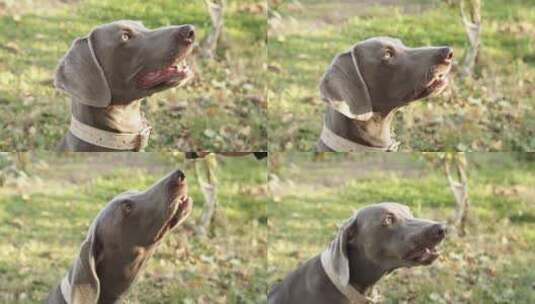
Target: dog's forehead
385, 208
398, 209
109, 210
127, 195
126, 24
382, 42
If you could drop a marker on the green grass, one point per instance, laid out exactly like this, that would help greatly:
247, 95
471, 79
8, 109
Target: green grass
44, 219
223, 109
492, 264
494, 111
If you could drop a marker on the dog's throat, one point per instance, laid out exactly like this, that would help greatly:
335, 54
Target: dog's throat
126, 118
363, 272
376, 132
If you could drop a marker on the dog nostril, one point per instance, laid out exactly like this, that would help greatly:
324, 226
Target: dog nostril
447, 54
191, 34
180, 176
441, 231
187, 33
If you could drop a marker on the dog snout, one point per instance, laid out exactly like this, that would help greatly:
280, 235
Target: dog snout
178, 177
438, 231
186, 33
176, 184
446, 54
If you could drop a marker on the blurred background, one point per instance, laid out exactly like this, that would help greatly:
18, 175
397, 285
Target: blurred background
48, 201
487, 198
488, 106
222, 109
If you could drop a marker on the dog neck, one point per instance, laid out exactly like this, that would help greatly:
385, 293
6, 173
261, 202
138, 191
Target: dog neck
118, 271
364, 273
124, 118
375, 132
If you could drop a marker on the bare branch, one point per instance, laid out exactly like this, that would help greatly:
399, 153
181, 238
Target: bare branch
205, 169
472, 25
216, 9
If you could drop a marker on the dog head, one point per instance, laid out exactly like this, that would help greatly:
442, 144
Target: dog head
381, 74
123, 61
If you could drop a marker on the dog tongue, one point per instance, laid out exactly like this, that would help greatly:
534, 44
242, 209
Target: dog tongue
154, 78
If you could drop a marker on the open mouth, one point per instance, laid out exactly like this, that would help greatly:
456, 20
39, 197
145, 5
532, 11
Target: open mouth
423, 255
434, 87
436, 84
180, 209
176, 72
179, 204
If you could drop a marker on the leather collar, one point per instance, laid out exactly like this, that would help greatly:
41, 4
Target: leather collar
340, 144
111, 140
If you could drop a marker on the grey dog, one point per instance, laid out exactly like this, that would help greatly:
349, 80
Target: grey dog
375, 241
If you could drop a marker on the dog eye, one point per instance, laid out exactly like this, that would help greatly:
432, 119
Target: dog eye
389, 220
388, 54
127, 207
126, 36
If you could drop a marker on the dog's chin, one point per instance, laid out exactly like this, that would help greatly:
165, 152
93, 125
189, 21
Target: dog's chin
438, 87
433, 88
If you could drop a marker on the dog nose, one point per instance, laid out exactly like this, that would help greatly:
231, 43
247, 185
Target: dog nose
186, 33
446, 54
178, 176
439, 231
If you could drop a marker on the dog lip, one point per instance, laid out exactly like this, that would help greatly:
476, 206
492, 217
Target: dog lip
179, 209
434, 86
424, 253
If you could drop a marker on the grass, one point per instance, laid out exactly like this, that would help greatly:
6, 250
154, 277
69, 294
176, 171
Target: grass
223, 109
45, 217
492, 264
492, 112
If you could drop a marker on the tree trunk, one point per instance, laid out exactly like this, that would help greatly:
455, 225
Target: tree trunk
206, 176
216, 9
459, 188
472, 26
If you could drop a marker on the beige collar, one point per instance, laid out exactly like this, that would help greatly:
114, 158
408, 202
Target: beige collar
110, 140
340, 144
353, 295
66, 289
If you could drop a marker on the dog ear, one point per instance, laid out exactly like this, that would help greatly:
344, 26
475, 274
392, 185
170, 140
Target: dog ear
79, 74
343, 87
85, 284
337, 251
